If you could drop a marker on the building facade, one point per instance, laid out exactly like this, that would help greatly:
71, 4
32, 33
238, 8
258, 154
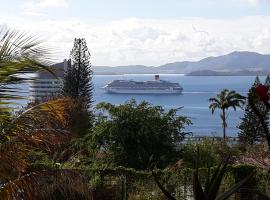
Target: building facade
47, 85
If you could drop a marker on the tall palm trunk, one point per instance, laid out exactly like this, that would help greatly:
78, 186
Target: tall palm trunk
224, 124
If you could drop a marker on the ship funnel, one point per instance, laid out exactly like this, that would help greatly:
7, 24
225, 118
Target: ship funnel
157, 77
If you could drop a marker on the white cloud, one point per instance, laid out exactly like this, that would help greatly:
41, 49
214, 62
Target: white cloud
32, 5
153, 42
35, 14
252, 2
255, 2
53, 3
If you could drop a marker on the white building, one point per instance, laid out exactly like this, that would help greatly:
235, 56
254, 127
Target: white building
46, 84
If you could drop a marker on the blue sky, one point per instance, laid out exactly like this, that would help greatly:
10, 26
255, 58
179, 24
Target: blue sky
160, 9
150, 32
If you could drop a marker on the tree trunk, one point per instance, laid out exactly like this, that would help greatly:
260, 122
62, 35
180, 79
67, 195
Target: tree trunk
224, 123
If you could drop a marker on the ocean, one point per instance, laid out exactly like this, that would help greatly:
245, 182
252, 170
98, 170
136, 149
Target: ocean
194, 99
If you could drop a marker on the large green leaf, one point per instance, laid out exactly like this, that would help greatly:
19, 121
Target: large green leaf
197, 188
217, 178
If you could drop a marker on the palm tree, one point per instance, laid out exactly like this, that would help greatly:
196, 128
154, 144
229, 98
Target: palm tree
224, 100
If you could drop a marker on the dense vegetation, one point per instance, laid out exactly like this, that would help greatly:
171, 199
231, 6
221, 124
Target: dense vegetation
62, 149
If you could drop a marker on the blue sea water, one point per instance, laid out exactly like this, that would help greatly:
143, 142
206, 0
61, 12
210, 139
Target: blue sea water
194, 99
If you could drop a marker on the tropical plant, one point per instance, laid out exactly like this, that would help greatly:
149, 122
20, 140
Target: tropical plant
224, 100
211, 189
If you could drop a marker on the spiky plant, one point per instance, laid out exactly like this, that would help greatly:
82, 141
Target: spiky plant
211, 188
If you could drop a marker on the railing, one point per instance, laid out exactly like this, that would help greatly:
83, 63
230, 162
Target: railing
230, 139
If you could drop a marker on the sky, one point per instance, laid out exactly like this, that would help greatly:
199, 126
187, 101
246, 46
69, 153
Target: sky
143, 32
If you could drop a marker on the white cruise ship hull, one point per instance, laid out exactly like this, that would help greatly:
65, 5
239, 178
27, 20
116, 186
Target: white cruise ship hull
143, 87
143, 91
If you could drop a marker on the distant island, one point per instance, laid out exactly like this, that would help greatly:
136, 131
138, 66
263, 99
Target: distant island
238, 63
230, 73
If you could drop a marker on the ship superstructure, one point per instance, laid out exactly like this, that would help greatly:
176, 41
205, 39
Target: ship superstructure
143, 87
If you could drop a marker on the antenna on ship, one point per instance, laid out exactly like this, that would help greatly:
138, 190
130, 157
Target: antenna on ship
157, 77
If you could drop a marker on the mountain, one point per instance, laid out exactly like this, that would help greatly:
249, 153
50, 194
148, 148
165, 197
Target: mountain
228, 73
235, 63
129, 69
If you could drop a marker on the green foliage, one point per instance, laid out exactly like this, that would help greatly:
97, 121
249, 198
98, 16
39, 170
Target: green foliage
224, 100
40, 160
251, 130
4, 123
138, 135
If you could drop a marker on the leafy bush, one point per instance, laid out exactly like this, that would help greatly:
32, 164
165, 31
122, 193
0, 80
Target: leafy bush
139, 136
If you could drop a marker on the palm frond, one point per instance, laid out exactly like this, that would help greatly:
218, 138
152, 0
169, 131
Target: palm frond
20, 54
49, 184
51, 115
215, 103
43, 127
215, 100
14, 153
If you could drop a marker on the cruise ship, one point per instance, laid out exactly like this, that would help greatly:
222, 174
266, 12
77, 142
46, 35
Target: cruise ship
156, 86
